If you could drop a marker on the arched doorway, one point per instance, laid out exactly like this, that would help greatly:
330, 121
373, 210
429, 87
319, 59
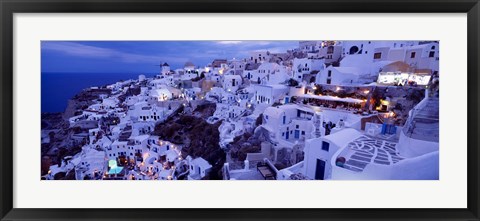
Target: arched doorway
353, 50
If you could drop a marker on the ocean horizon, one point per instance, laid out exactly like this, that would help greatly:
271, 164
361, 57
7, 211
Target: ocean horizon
58, 87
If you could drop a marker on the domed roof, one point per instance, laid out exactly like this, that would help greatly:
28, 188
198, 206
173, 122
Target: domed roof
188, 64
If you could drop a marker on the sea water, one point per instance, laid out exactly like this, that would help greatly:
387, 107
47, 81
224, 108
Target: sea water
58, 88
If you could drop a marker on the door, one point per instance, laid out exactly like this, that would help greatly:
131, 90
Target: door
297, 134
288, 133
320, 170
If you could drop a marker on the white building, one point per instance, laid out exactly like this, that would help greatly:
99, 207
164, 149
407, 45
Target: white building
162, 94
289, 122
331, 53
319, 153
305, 66
258, 56
165, 69
368, 47
269, 94
199, 168
236, 66
341, 75
232, 82
91, 164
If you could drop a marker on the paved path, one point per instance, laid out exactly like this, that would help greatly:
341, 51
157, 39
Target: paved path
365, 150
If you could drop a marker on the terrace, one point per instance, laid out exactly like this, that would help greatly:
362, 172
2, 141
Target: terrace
366, 150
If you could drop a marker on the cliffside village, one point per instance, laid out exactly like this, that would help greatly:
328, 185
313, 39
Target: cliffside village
325, 110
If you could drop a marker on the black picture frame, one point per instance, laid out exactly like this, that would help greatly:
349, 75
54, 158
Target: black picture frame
9, 7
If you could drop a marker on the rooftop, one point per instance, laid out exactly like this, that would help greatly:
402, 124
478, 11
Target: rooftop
366, 150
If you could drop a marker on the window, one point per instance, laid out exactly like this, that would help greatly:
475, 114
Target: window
329, 73
330, 50
303, 132
325, 146
377, 55
432, 54
296, 126
412, 55
329, 81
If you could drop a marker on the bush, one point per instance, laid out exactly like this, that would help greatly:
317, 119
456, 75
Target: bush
292, 82
318, 89
259, 120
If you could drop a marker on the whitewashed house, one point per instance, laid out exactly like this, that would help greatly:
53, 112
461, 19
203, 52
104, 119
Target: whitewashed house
165, 69
199, 168
269, 94
319, 153
341, 75
289, 122
258, 56
231, 83
305, 66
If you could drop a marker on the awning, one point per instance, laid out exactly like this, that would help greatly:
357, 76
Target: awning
331, 98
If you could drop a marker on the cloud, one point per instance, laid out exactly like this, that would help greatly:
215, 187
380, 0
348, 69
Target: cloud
229, 42
82, 50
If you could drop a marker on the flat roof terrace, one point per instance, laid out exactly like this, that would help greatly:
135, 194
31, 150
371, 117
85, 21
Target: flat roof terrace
366, 150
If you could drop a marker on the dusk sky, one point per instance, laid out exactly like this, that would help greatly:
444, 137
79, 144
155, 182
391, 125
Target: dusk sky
143, 56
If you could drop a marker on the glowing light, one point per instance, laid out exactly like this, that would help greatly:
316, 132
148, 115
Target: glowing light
366, 91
